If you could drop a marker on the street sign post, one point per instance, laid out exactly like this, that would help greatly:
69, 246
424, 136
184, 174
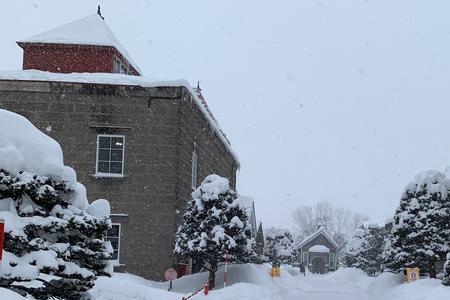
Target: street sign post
2, 234
225, 275
170, 275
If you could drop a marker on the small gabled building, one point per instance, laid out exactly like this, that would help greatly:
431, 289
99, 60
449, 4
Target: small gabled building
319, 251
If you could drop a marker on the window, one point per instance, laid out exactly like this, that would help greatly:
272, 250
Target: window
194, 170
332, 260
305, 258
113, 235
110, 150
119, 66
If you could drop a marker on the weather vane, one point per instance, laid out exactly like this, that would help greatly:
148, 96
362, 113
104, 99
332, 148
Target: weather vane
99, 11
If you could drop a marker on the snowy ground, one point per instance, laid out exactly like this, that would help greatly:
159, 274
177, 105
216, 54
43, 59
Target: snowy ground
252, 282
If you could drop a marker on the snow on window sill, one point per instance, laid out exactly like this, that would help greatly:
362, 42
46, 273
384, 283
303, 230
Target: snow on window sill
116, 263
108, 175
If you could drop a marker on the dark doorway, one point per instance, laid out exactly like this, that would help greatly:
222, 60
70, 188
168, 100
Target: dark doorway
318, 265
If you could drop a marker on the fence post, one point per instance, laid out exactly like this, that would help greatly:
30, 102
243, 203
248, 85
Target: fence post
2, 234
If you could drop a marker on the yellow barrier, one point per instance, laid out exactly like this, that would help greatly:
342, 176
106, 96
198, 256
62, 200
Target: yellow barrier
276, 272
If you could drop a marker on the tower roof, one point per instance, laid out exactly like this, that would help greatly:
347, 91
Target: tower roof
91, 30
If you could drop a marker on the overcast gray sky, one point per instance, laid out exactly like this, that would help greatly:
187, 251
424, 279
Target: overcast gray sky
343, 101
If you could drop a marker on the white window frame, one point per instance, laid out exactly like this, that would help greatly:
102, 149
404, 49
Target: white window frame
334, 261
305, 255
118, 243
102, 174
194, 170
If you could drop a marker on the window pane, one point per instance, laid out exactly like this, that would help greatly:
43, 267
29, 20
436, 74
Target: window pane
113, 232
116, 155
117, 143
116, 168
104, 154
104, 142
114, 243
103, 167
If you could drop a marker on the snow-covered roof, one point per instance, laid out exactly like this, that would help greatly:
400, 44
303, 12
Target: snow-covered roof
248, 204
90, 30
319, 249
119, 79
320, 231
245, 202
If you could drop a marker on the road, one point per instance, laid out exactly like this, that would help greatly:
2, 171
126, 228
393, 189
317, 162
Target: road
319, 287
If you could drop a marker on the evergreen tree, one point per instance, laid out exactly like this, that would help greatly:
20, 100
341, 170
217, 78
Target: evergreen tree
365, 249
280, 247
55, 245
215, 224
446, 279
354, 248
259, 247
421, 228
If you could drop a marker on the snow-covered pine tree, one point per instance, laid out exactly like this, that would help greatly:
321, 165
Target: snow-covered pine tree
215, 224
56, 246
446, 279
54, 240
365, 249
280, 246
421, 228
354, 248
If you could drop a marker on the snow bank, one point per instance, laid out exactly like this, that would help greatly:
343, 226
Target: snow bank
129, 287
248, 281
6, 294
350, 277
390, 286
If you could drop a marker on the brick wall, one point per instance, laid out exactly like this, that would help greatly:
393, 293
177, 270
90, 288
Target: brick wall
59, 58
159, 125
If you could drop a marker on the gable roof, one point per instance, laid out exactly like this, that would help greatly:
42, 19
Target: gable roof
320, 231
90, 30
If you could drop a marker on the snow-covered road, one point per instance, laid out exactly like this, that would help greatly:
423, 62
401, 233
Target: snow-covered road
324, 295
322, 287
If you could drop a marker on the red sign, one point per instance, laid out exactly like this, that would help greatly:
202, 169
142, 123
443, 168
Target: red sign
170, 275
2, 231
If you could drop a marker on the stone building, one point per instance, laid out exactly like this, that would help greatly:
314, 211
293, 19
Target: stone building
319, 251
142, 145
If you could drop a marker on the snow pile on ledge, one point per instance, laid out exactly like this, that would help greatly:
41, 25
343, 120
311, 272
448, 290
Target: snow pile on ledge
120, 79
319, 249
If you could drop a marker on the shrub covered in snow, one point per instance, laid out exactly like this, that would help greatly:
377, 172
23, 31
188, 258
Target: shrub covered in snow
215, 224
53, 246
280, 246
421, 229
365, 249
